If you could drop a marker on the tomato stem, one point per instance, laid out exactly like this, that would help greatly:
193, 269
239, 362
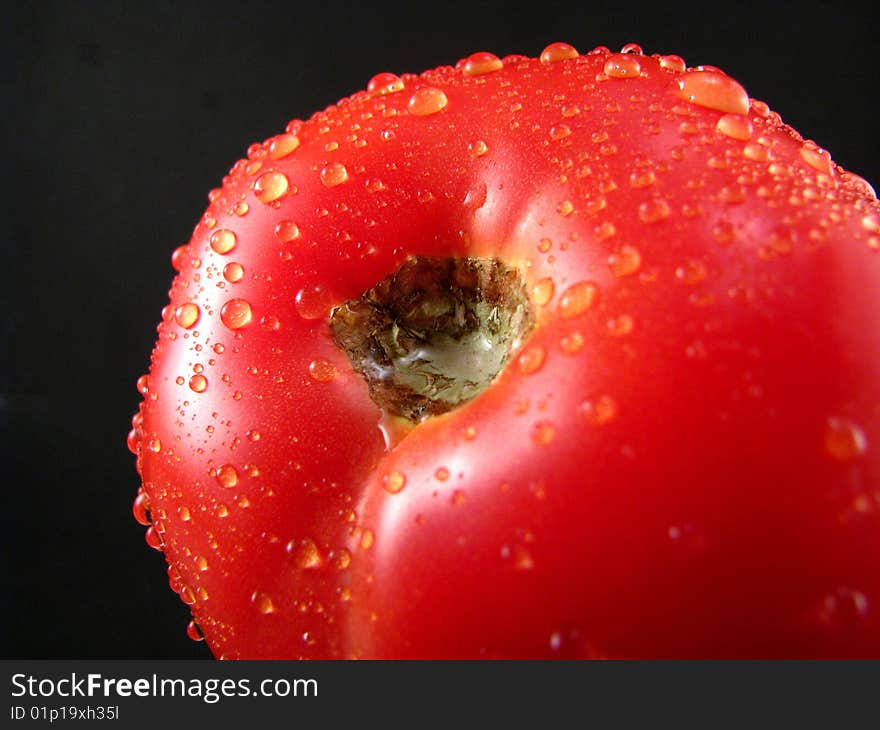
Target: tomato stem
434, 334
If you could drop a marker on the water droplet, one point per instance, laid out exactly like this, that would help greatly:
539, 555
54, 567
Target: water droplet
724, 232
543, 433
374, 185
186, 315
271, 186
691, 210
141, 507
781, 241
625, 261
394, 482
236, 313
732, 194
143, 385
714, 90
313, 302
233, 272
385, 83
262, 602
178, 258
756, 152
672, 62
153, 538
478, 148
559, 131
340, 559
187, 595
441, 474
692, 272
558, 52
334, 174
198, 383
305, 553
287, 231
175, 580
427, 101
622, 66
577, 299
481, 63
476, 197
871, 223
654, 210
323, 371
844, 440
596, 205
193, 631
565, 208
621, 326
543, 291
760, 108
133, 441
520, 555
531, 360
282, 145
642, 178
227, 476
817, 158
223, 241
735, 126
368, 538
599, 410
777, 169
570, 344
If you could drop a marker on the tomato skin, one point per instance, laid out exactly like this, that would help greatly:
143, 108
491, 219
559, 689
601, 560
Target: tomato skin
681, 461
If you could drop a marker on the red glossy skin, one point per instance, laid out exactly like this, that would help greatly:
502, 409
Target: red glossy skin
686, 468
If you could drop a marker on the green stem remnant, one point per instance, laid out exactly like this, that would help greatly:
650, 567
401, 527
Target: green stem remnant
435, 333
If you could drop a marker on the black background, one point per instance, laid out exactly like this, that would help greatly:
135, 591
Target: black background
117, 120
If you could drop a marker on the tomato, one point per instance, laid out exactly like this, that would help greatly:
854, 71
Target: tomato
569, 356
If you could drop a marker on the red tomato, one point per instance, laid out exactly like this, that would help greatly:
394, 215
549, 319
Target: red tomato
679, 455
